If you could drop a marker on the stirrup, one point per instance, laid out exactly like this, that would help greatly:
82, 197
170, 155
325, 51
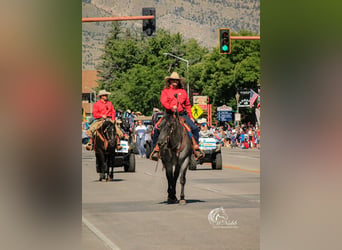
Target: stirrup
154, 157
89, 146
198, 154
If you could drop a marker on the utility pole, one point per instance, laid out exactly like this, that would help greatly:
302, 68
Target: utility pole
187, 67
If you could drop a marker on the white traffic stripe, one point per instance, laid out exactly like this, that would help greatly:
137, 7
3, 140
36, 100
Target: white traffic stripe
148, 173
212, 190
100, 235
244, 157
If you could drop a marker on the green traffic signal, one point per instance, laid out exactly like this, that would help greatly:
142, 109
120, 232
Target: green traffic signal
224, 41
225, 48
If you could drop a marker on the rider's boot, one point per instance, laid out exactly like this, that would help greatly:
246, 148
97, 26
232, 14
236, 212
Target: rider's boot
90, 144
197, 152
155, 154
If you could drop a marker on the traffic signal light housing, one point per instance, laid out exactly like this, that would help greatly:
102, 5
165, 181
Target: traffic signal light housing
149, 25
224, 41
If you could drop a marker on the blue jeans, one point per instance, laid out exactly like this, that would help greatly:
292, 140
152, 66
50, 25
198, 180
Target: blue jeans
193, 127
140, 145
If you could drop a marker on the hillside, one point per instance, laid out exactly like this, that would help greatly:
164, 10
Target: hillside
199, 19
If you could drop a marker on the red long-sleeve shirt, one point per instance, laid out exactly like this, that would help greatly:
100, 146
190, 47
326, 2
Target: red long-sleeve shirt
168, 100
101, 108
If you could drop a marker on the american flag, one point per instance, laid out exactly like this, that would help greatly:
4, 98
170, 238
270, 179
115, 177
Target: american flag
252, 98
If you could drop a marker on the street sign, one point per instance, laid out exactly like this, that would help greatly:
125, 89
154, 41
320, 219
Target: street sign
244, 98
225, 116
201, 101
196, 111
237, 117
224, 108
224, 113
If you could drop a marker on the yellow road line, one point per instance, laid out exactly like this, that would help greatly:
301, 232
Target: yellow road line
238, 168
243, 169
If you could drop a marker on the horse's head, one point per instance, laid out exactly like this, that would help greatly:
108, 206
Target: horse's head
109, 133
170, 132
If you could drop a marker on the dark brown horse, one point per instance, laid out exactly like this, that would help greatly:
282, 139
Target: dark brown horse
175, 153
105, 144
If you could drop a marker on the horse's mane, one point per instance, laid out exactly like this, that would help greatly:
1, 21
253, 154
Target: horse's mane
170, 126
106, 124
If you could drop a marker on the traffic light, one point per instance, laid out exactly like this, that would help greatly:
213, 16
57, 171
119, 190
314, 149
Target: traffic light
224, 40
149, 25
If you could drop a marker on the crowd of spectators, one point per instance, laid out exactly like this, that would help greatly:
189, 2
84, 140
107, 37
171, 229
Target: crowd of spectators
244, 136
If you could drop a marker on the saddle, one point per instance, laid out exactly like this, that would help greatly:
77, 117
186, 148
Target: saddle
182, 122
105, 141
197, 153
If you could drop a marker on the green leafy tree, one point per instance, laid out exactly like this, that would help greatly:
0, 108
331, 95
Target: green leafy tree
133, 68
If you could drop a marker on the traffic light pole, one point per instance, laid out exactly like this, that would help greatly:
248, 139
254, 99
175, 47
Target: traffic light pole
122, 18
129, 18
245, 37
187, 67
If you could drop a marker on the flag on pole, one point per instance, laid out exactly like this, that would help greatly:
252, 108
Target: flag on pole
252, 98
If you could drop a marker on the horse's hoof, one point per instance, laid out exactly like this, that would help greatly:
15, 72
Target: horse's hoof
104, 180
172, 200
182, 202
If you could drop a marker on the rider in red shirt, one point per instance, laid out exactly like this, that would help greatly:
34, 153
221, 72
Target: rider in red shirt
102, 109
172, 94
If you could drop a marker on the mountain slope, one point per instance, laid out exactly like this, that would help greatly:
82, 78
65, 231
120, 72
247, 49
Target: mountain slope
199, 19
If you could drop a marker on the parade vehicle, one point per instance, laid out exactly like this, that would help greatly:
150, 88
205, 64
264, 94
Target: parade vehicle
125, 157
212, 151
155, 118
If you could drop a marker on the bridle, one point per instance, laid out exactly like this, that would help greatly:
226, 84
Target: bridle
167, 140
105, 137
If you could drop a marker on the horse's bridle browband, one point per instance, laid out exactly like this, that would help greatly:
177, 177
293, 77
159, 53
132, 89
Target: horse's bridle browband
105, 141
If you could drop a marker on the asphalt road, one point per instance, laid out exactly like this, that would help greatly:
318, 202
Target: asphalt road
131, 212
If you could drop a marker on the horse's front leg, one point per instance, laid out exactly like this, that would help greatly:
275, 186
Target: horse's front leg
110, 167
101, 165
183, 168
170, 180
175, 177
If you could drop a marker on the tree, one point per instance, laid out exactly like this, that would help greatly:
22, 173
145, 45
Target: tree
134, 68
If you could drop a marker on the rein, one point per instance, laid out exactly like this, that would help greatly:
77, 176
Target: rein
105, 141
182, 146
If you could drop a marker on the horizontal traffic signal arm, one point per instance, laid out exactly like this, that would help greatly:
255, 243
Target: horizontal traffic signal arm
121, 18
245, 37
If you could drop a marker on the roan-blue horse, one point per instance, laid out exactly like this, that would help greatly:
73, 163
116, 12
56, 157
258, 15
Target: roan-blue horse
175, 153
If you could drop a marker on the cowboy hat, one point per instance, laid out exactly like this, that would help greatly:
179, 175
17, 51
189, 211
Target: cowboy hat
138, 113
128, 111
103, 92
175, 76
203, 120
